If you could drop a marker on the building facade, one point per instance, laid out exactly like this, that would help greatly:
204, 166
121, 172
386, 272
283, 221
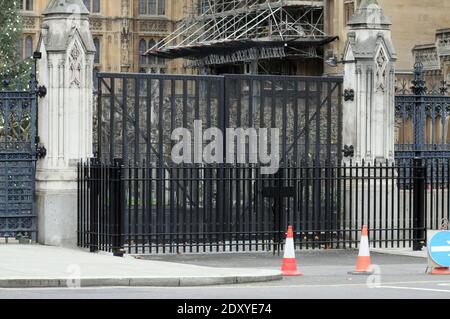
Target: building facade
122, 31
125, 29
414, 22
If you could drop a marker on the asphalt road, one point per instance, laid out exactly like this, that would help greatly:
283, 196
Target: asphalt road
326, 277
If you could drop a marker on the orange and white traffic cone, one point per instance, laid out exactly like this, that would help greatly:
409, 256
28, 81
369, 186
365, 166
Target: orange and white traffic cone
289, 266
363, 264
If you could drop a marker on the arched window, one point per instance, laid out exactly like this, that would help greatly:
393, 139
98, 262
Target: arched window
151, 58
161, 7
152, 7
97, 50
161, 60
142, 49
142, 6
28, 46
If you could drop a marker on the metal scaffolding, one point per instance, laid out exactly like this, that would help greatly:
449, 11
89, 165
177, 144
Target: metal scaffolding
215, 32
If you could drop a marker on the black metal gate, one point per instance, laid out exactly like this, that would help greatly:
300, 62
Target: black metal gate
133, 198
17, 159
132, 195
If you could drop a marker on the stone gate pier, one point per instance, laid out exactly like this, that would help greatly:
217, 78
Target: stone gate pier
65, 117
369, 112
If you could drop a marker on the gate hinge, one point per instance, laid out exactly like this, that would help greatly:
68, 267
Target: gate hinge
349, 151
349, 95
41, 151
41, 91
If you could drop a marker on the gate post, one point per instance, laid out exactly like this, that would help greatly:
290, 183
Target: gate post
369, 119
419, 232
369, 85
65, 117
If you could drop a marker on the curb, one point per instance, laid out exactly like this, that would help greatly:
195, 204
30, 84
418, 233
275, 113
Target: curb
137, 282
403, 253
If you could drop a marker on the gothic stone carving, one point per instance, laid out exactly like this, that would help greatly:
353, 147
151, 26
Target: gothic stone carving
96, 24
75, 67
28, 22
153, 26
381, 64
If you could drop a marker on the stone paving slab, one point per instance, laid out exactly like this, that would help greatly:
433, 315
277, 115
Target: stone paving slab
26, 266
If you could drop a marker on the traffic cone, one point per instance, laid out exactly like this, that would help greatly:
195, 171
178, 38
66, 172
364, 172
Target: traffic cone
289, 266
363, 264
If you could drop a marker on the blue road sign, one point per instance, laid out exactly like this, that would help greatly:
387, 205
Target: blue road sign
440, 248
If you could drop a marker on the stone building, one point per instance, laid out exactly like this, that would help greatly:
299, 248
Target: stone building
413, 22
123, 29
435, 57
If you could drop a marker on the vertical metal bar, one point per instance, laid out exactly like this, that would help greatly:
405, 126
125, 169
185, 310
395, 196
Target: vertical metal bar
124, 120
328, 197
99, 120
350, 205
112, 118
173, 216
137, 160
160, 170
419, 196
249, 171
184, 169
238, 172
118, 211
93, 246
386, 202
149, 160
79, 201
395, 185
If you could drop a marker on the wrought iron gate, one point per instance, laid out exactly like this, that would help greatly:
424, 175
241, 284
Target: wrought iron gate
422, 118
133, 197
17, 159
201, 206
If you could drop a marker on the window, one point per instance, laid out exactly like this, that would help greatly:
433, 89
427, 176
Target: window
96, 6
151, 58
142, 49
28, 46
92, 5
161, 7
161, 60
142, 6
19, 48
26, 5
152, 7
97, 50
349, 10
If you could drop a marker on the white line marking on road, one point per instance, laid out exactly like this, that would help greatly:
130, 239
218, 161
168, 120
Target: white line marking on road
414, 288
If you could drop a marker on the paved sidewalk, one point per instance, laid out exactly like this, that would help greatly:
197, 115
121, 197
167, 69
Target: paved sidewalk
401, 252
26, 266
